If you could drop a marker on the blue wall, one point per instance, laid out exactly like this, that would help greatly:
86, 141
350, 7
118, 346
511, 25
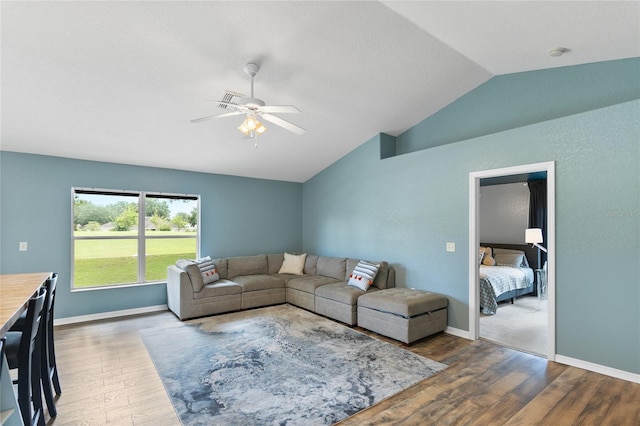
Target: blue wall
402, 209
515, 100
239, 216
405, 208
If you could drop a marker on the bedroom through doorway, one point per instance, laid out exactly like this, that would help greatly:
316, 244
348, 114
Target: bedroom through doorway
511, 286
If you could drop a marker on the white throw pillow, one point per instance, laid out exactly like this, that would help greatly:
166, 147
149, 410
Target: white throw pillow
207, 269
363, 275
293, 264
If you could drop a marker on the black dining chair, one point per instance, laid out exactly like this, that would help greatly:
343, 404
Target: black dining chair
23, 352
48, 366
1, 357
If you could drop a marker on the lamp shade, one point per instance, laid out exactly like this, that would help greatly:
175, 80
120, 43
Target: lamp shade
533, 236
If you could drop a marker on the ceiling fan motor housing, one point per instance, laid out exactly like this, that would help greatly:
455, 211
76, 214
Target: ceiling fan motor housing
252, 103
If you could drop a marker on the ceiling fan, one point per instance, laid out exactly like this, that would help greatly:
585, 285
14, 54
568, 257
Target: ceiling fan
254, 109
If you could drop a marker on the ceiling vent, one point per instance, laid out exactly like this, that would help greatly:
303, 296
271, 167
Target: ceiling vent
231, 97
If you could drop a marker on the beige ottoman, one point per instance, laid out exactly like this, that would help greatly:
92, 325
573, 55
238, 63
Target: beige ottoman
403, 314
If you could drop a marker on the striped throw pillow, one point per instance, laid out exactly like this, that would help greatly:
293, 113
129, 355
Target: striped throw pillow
363, 275
208, 270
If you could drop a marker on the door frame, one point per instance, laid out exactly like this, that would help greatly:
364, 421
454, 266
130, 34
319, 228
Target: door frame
474, 244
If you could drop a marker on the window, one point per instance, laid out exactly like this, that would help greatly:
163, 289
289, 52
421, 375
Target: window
126, 237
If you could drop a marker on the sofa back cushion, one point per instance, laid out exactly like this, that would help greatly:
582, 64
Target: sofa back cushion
381, 280
334, 267
247, 265
311, 264
221, 265
274, 261
194, 273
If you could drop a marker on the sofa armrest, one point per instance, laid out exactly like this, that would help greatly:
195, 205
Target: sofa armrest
179, 290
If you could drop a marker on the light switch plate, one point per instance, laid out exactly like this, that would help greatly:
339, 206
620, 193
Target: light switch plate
22, 246
451, 246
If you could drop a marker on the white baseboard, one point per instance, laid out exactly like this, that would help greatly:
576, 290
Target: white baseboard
108, 315
459, 333
573, 362
597, 368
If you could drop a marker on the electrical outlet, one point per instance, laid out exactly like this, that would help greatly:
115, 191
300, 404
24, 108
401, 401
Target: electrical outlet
22, 246
451, 246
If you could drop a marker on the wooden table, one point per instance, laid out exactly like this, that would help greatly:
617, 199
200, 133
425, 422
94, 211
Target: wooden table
15, 292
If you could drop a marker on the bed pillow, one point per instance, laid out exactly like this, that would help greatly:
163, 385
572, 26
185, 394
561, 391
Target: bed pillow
363, 275
488, 251
480, 257
293, 264
487, 259
510, 259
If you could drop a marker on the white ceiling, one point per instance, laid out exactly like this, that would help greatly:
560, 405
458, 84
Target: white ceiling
119, 81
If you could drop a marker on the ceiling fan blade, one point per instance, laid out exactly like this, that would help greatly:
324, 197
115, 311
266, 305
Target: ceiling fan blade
284, 124
282, 109
225, 114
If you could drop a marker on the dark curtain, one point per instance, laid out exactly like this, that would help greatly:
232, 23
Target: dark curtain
538, 211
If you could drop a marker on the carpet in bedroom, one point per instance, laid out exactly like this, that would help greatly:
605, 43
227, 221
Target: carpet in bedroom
522, 325
277, 365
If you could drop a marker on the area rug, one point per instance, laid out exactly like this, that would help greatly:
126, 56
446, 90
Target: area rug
277, 366
521, 326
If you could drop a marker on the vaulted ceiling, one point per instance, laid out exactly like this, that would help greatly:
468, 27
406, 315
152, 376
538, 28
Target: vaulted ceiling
120, 81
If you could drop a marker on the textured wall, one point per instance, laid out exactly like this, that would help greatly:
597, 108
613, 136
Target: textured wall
405, 208
503, 213
515, 100
239, 216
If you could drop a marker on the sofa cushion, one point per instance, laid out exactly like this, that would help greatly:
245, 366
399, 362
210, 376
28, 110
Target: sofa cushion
310, 283
311, 264
194, 273
382, 276
404, 302
219, 288
221, 266
293, 264
274, 262
342, 292
246, 265
334, 267
258, 282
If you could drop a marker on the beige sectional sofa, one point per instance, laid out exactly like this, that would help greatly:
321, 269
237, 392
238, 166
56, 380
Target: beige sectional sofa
252, 281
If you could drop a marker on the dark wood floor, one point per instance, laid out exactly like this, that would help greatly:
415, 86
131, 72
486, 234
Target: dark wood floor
486, 384
108, 378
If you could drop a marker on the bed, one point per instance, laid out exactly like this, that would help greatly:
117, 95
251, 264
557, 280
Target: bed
505, 280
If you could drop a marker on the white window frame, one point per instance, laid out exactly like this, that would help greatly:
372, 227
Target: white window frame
141, 236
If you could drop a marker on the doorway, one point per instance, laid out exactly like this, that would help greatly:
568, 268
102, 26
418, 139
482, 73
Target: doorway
474, 244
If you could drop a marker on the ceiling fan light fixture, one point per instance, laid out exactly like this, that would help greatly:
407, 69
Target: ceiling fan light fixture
251, 127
